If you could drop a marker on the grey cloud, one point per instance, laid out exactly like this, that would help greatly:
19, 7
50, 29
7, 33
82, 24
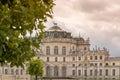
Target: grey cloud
97, 19
91, 6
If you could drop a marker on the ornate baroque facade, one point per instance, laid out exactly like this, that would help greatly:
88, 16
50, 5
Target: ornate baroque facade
66, 56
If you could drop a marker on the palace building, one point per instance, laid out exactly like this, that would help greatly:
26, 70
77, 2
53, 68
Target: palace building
66, 56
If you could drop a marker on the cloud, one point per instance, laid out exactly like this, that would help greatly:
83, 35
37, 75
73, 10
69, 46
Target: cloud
97, 19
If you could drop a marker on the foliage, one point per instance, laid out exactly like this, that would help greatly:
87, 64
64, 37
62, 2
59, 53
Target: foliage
17, 17
35, 67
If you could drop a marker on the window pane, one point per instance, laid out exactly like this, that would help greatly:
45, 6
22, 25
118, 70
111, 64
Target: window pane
47, 50
63, 51
56, 50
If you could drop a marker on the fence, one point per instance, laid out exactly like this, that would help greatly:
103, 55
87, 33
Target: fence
14, 77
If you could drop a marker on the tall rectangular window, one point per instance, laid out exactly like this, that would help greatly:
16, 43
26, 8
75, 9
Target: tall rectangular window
85, 72
79, 58
100, 72
79, 72
64, 59
91, 57
73, 65
113, 72
63, 50
73, 58
56, 59
47, 59
73, 72
6, 71
56, 50
95, 73
12, 71
100, 57
95, 57
21, 72
47, 50
106, 72
91, 72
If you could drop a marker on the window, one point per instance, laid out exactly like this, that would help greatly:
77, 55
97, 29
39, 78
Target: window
95, 64
6, 71
113, 64
21, 72
63, 71
47, 50
79, 64
56, 59
47, 59
56, 50
113, 72
95, 57
48, 72
85, 72
12, 71
64, 59
91, 57
79, 58
106, 72
79, 72
106, 64
91, 72
73, 72
73, 47
100, 57
85, 64
100, 72
73, 58
91, 64
85, 48
100, 64
95, 72
56, 73
73, 65
17, 72
63, 51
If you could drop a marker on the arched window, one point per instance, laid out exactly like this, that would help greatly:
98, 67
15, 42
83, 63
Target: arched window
47, 50
63, 51
56, 71
48, 71
56, 50
63, 71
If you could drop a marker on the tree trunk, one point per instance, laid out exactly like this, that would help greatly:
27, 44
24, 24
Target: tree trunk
36, 77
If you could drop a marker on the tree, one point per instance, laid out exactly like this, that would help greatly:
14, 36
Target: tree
35, 67
17, 19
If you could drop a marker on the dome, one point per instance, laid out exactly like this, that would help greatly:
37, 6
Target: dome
56, 32
55, 28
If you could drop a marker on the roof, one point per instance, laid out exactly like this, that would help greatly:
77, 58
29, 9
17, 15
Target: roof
55, 27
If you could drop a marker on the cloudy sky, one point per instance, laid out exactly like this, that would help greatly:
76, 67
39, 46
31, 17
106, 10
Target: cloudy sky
97, 19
